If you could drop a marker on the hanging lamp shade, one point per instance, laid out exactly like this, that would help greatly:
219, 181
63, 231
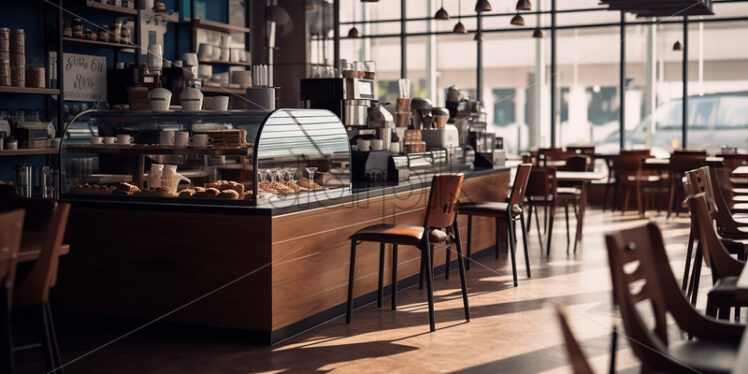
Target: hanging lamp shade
517, 20
677, 46
482, 6
441, 14
353, 33
537, 33
460, 28
479, 36
523, 5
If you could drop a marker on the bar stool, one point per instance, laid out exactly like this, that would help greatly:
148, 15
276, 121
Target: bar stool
11, 228
440, 214
510, 211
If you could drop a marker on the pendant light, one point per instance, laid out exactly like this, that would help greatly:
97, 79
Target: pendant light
479, 36
482, 6
441, 14
459, 27
517, 20
353, 32
677, 46
523, 5
537, 33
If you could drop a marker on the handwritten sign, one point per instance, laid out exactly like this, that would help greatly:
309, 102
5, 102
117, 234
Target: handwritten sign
85, 77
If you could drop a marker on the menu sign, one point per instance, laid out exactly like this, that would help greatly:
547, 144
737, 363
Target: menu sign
85, 77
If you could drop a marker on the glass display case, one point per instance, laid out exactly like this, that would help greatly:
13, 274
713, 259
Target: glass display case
257, 158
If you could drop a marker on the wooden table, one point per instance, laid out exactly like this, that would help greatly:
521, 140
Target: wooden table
740, 171
741, 364
664, 163
583, 178
31, 247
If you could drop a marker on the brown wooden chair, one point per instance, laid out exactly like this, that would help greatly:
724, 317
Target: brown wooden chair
510, 211
11, 227
680, 163
641, 272
542, 188
570, 193
441, 213
33, 290
578, 361
726, 270
630, 175
721, 178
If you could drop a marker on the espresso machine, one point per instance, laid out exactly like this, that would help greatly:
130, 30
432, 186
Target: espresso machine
348, 98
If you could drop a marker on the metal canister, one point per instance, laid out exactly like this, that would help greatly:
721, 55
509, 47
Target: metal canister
4, 39
18, 41
4, 72
24, 180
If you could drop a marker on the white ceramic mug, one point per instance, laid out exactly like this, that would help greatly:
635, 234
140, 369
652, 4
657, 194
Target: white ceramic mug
182, 139
97, 140
205, 51
192, 99
201, 140
166, 137
364, 145
125, 139
11, 145
220, 103
110, 140
377, 144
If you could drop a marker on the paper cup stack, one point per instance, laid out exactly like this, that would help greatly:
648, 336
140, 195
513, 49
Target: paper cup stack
4, 56
18, 58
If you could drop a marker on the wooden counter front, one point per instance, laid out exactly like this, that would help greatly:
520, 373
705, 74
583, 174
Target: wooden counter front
273, 276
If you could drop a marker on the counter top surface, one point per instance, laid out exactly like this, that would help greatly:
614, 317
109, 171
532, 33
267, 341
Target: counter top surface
280, 206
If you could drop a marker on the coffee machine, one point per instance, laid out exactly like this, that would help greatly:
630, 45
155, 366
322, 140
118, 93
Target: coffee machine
348, 98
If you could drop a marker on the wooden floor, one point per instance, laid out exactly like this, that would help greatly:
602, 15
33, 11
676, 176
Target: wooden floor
513, 330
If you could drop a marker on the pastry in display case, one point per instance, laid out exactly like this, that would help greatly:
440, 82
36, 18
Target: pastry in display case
257, 158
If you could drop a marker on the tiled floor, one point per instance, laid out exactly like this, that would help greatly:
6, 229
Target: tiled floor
512, 330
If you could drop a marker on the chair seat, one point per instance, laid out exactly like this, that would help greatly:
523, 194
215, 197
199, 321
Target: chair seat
489, 209
705, 356
397, 234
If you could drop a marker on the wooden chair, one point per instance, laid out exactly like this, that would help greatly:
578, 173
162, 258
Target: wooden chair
542, 192
571, 193
510, 211
441, 213
629, 174
721, 178
641, 273
680, 163
578, 361
33, 289
726, 270
11, 228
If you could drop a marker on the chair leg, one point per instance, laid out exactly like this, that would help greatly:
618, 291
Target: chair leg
529, 217
469, 242
6, 338
615, 198
447, 260
422, 273
540, 236
626, 197
689, 252
394, 275
724, 312
711, 306
429, 284
671, 198
381, 275
524, 242
49, 360
568, 231
461, 267
496, 234
696, 275
639, 201
54, 347
511, 247
550, 229
607, 189
432, 263
350, 282
737, 314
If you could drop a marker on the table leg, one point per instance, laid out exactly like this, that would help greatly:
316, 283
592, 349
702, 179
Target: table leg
582, 209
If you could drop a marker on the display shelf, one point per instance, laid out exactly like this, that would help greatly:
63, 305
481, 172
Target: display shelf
29, 90
218, 26
221, 62
155, 149
223, 90
29, 152
122, 46
100, 6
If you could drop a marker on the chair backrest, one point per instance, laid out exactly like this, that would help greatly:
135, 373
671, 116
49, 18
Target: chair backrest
575, 163
733, 160
723, 215
698, 181
640, 152
641, 272
520, 184
541, 182
34, 288
628, 164
683, 162
715, 253
689, 151
11, 229
579, 362
442, 205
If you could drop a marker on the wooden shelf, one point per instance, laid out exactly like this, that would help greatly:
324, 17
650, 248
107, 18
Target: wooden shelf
111, 8
155, 149
223, 90
29, 90
221, 62
99, 43
29, 152
218, 26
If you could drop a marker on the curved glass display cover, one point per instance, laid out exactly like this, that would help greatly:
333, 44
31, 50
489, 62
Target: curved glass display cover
284, 157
